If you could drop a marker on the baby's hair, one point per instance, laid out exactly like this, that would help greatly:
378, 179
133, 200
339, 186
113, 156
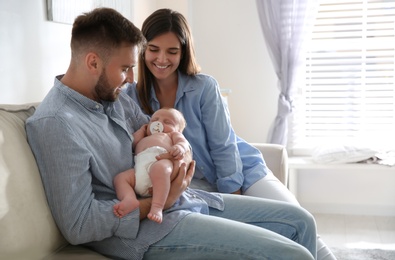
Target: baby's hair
182, 121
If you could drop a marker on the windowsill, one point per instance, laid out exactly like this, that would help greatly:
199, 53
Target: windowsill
297, 164
305, 162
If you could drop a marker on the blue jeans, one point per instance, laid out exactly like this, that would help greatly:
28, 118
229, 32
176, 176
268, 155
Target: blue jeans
248, 228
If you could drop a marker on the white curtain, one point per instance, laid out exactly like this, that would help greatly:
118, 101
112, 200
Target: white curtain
285, 25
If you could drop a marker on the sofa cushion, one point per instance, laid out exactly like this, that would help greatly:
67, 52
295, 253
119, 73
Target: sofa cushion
28, 230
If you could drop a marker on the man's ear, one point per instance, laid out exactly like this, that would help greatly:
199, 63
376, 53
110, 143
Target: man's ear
92, 62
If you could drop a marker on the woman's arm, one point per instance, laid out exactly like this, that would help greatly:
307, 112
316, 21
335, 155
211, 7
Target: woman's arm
221, 139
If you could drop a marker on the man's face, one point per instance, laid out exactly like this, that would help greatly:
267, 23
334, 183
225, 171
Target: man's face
104, 90
117, 72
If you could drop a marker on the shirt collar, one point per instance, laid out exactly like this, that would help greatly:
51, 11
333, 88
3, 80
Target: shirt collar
182, 88
81, 99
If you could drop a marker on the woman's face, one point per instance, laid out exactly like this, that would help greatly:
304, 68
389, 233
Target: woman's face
163, 55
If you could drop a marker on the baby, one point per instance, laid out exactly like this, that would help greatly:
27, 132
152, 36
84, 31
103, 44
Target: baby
163, 134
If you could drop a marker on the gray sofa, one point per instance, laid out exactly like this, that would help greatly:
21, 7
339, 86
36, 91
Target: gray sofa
28, 230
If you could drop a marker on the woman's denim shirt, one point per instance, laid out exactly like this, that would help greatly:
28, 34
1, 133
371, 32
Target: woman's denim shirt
222, 157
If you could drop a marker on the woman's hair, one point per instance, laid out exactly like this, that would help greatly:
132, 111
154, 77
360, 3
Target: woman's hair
160, 22
101, 31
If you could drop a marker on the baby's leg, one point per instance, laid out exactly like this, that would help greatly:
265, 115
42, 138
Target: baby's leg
124, 187
159, 173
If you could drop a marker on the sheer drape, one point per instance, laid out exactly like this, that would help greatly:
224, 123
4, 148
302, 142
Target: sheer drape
285, 24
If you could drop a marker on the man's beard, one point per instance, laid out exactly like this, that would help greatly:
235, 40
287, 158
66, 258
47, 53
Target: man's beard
103, 89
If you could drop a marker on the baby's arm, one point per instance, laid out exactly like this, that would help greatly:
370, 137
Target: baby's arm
139, 134
181, 146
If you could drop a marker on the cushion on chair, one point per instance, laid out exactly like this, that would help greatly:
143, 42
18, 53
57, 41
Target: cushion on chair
27, 228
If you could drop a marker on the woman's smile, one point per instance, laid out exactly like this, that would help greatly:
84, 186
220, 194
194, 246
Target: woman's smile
161, 66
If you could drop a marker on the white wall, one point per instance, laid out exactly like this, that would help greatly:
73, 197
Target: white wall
32, 51
230, 47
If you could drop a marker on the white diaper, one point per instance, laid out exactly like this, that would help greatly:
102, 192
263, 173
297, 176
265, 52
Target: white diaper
143, 162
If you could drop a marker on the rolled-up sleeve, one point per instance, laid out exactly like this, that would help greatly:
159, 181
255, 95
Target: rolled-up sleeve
221, 140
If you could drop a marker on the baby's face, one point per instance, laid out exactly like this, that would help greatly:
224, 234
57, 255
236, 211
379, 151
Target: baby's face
167, 118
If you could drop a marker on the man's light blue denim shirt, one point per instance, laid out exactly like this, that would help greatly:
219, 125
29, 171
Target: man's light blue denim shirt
79, 146
222, 157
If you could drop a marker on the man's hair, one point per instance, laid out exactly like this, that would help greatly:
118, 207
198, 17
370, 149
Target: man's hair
101, 31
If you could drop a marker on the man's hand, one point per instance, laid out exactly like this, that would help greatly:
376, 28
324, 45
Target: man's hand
181, 179
181, 176
187, 158
165, 156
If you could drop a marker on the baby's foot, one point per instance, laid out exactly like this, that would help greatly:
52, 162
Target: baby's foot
117, 209
155, 215
123, 208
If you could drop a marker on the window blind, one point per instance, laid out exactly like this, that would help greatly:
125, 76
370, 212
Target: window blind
349, 91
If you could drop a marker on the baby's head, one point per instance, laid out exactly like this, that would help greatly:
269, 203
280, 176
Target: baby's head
167, 120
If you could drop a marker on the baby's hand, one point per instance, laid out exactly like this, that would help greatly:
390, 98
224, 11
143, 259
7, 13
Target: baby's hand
177, 151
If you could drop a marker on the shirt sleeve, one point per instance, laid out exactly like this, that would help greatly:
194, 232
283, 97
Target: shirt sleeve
64, 164
221, 139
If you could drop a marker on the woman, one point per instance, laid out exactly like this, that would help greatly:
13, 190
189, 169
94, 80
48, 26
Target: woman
168, 76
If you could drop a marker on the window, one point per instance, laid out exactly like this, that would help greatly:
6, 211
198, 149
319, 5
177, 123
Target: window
349, 91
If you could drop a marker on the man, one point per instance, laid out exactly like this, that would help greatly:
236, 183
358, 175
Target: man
81, 136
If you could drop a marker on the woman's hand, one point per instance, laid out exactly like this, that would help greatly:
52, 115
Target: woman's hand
237, 192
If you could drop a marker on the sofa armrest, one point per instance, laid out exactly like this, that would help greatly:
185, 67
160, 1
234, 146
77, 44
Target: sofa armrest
276, 158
